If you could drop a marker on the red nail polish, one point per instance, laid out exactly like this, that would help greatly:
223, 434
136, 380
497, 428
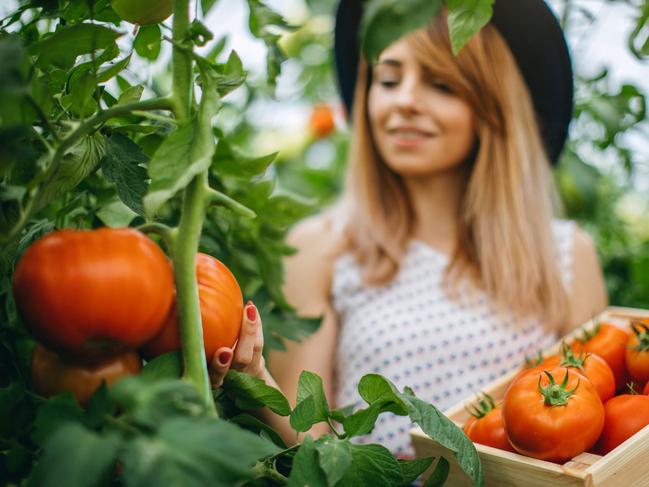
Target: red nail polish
224, 357
251, 311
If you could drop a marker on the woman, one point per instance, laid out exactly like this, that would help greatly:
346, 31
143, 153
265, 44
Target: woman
442, 267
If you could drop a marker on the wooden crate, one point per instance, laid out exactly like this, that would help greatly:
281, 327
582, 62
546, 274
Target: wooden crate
626, 466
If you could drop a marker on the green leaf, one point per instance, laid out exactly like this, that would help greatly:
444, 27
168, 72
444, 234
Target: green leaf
335, 457
185, 153
64, 46
251, 423
150, 403
81, 88
115, 214
77, 163
252, 393
311, 405
131, 95
74, 456
306, 467
228, 160
465, 18
372, 466
165, 366
206, 6
109, 71
437, 426
122, 165
385, 21
225, 78
148, 41
439, 475
411, 469
193, 452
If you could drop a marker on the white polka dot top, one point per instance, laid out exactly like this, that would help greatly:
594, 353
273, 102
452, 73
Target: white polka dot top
410, 332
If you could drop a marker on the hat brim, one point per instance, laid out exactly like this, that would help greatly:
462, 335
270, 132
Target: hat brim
535, 39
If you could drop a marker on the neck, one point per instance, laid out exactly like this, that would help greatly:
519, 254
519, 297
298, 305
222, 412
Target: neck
436, 203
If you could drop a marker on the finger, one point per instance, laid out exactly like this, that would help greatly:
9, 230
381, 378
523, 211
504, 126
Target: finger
258, 363
247, 338
220, 365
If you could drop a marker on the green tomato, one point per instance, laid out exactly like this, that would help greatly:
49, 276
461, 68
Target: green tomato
142, 12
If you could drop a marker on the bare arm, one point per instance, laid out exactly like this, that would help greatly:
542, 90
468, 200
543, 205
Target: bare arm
588, 296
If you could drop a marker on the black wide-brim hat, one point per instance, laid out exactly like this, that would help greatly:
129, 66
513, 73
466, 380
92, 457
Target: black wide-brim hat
534, 37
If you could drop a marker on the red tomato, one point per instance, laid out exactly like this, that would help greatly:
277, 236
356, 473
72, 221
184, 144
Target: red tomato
485, 426
93, 294
537, 364
552, 415
221, 311
321, 122
646, 389
637, 353
51, 375
609, 342
625, 415
593, 367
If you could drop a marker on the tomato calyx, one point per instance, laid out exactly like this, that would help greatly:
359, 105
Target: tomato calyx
641, 331
484, 406
570, 359
531, 362
556, 394
587, 335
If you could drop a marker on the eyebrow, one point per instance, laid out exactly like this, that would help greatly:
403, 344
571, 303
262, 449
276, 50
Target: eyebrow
389, 62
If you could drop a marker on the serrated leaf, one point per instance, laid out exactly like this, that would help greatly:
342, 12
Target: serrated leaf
122, 165
385, 21
194, 452
108, 71
74, 456
251, 393
372, 466
115, 214
185, 153
466, 18
228, 160
131, 95
334, 457
226, 77
311, 405
148, 41
411, 469
64, 46
306, 467
437, 426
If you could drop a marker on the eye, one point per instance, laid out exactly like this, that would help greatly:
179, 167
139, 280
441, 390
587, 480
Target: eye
388, 82
439, 85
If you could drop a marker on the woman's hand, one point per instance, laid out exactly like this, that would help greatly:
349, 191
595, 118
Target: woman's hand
247, 354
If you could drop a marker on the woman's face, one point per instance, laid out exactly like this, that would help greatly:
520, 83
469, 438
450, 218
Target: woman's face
419, 126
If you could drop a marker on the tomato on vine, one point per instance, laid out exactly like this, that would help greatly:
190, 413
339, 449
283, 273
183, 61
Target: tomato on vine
485, 425
52, 375
93, 294
609, 342
143, 12
221, 304
625, 415
549, 420
637, 353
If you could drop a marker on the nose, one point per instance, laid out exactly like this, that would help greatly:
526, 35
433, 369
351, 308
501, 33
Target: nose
409, 96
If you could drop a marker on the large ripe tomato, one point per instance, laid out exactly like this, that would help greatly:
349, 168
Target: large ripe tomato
552, 415
593, 367
637, 353
625, 415
143, 12
51, 375
485, 426
609, 342
221, 311
93, 294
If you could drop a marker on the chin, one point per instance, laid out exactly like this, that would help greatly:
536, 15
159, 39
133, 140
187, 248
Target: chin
421, 169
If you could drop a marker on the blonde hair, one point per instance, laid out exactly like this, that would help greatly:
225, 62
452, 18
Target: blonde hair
505, 243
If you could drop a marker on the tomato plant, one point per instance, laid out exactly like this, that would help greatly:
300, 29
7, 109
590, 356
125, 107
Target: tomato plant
609, 342
552, 415
52, 375
485, 426
221, 311
143, 12
93, 294
625, 415
637, 353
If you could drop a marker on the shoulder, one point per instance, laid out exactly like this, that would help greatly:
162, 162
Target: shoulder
316, 241
588, 294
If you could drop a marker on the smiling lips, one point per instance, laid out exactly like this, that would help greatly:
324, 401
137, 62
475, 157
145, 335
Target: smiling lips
409, 136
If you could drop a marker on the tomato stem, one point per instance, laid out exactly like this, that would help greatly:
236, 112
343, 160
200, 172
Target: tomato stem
181, 62
556, 394
218, 198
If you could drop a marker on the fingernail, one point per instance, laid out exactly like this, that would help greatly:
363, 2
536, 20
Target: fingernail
224, 357
251, 311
